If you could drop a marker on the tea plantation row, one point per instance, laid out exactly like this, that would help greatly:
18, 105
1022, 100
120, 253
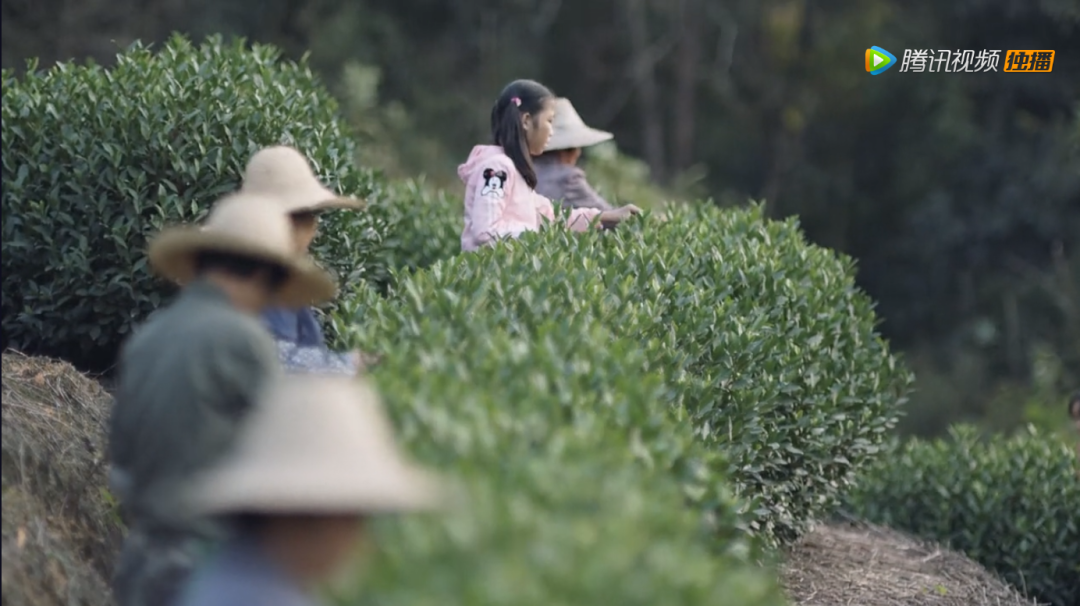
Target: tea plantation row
565, 460
766, 350
1008, 503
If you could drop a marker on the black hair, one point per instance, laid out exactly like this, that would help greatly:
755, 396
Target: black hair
245, 523
242, 267
305, 215
519, 97
254, 523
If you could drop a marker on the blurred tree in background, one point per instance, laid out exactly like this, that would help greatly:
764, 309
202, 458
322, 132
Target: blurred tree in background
959, 193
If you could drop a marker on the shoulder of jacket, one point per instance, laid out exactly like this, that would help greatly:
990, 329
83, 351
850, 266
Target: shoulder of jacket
497, 161
225, 327
504, 158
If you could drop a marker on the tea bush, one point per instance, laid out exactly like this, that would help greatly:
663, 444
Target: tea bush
554, 434
766, 348
420, 225
1010, 503
95, 160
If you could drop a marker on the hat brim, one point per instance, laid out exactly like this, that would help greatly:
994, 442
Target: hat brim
317, 199
172, 255
580, 138
296, 489
332, 204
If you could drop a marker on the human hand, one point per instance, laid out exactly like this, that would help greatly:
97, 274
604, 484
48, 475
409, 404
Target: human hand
618, 215
362, 360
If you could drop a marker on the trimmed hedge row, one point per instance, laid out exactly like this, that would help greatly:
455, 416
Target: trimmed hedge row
555, 434
1012, 504
766, 349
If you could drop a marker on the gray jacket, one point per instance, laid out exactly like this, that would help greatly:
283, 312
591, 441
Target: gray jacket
567, 184
187, 378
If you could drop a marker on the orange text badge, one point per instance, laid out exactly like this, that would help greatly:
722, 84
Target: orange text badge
1039, 61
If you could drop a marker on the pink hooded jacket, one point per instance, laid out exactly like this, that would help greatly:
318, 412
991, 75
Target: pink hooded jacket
500, 204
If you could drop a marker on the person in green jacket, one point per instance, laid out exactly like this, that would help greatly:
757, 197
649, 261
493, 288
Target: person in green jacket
189, 376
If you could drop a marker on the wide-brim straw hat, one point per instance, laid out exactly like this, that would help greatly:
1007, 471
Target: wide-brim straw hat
315, 445
283, 174
570, 131
248, 226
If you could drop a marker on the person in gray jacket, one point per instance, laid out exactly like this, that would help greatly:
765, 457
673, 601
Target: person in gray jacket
188, 378
558, 176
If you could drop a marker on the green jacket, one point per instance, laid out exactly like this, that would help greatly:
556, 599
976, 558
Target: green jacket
187, 378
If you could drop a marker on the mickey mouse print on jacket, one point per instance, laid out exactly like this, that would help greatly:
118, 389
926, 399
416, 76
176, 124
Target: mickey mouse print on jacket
500, 204
494, 183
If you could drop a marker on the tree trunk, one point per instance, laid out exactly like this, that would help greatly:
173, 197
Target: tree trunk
645, 81
787, 138
686, 73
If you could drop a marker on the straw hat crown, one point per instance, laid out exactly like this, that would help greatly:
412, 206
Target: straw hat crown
241, 224
570, 131
238, 216
283, 174
316, 444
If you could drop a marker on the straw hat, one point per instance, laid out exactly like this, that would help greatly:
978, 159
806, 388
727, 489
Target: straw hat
570, 131
284, 175
315, 445
240, 224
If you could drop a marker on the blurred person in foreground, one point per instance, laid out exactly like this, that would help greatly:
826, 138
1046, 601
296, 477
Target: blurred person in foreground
500, 179
190, 375
282, 174
558, 176
315, 460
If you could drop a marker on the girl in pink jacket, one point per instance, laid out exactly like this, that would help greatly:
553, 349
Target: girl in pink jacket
500, 181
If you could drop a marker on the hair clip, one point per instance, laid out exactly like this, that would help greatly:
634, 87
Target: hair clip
516, 101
